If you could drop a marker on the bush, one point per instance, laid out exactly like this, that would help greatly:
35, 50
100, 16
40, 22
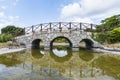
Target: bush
115, 35
101, 37
5, 37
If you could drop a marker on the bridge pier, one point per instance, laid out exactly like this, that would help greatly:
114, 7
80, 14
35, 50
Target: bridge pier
75, 48
47, 45
46, 48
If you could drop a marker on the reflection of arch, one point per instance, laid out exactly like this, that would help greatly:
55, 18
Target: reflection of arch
86, 55
36, 53
88, 43
70, 43
36, 43
61, 59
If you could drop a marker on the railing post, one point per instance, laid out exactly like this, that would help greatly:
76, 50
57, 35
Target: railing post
50, 26
60, 26
24, 30
70, 26
91, 26
32, 29
40, 27
80, 26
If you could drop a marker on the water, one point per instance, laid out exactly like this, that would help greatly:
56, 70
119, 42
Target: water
60, 63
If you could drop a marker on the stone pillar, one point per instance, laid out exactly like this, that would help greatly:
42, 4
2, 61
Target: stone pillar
46, 46
75, 48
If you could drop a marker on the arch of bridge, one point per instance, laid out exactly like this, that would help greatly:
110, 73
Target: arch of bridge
74, 37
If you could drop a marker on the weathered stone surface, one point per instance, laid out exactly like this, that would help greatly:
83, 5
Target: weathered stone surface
74, 37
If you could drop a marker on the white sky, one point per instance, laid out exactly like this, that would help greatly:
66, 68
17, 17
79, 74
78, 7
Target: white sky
92, 11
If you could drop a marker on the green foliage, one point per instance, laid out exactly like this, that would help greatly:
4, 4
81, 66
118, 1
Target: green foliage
60, 40
112, 36
115, 35
108, 30
100, 28
101, 37
61, 47
93, 35
109, 23
15, 31
5, 37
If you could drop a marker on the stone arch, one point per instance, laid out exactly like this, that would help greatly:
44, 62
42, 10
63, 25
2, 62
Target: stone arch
69, 41
36, 43
88, 43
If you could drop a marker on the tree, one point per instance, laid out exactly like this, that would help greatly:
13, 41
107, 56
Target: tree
111, 22
109, 30
13, 30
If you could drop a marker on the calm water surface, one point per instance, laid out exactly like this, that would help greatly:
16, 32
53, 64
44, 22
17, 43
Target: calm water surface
59, 64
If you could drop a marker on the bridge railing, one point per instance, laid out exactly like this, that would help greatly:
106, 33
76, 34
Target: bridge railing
60, 26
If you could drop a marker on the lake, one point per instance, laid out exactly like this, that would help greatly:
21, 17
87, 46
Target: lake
60, 63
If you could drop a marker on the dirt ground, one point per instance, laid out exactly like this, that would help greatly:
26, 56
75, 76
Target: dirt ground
115, 45
3, 45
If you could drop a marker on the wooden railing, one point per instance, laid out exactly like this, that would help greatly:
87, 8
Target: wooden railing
60, 26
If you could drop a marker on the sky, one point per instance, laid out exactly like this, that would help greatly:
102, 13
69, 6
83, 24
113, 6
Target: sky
24, 13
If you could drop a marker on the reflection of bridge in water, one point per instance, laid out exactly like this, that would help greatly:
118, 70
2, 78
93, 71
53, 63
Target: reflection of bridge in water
46, 66
73, 32
49, 65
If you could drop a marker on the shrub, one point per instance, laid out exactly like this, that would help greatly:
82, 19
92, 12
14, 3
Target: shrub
5, 37
101, 37
114, 35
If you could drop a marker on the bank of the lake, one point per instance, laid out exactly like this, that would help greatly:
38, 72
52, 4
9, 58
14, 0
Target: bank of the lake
7, 50
4, 48
115, 45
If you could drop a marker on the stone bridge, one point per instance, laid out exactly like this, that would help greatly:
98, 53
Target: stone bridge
73, 32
